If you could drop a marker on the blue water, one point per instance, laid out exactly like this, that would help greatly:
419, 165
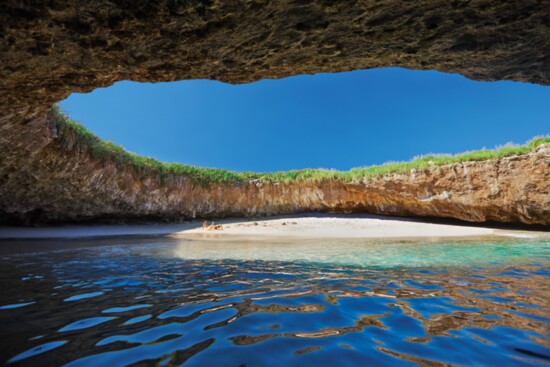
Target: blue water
170, 302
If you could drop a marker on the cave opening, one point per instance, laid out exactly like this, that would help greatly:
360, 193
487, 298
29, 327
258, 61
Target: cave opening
334, 121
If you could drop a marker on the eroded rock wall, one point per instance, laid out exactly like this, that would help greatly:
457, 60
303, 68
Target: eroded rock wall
49, 49
50, 184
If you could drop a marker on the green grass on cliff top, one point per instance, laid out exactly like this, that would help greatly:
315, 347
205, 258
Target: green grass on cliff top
75, 137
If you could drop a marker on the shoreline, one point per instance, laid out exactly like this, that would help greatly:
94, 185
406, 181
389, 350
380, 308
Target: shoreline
298, 226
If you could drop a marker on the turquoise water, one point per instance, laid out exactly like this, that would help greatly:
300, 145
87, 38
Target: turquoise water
245, 302
373, 253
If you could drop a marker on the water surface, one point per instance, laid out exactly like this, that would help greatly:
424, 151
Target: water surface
171, 302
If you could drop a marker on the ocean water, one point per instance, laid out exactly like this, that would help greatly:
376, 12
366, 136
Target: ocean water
158, 301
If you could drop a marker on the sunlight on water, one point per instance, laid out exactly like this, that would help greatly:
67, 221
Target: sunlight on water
370, 253
172, 302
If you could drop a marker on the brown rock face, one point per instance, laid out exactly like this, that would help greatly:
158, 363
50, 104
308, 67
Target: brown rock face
49, 49
50, 184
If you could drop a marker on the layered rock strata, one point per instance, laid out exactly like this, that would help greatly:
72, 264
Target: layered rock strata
51, 184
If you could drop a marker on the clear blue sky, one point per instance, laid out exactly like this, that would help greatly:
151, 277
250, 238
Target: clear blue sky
340, 121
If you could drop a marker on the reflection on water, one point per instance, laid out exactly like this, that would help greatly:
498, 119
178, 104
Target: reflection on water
170, 302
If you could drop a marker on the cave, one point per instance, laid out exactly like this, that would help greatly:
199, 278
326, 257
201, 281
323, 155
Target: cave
51, 49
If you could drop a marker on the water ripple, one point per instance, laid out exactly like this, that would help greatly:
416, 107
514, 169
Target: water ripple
141, 304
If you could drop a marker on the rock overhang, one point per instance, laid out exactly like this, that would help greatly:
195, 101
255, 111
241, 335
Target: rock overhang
50, 49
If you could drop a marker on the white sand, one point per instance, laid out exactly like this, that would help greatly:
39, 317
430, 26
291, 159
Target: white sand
295, 226
340, 226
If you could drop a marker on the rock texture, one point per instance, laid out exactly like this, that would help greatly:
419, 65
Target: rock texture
49, 184
49, 49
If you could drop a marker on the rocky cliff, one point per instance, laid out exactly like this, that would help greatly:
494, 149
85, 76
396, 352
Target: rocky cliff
49, 49
50, 183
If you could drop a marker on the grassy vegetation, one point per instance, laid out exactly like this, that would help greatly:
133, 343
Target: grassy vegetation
75, 137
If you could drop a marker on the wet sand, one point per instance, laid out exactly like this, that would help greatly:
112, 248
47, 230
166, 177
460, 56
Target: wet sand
313, 225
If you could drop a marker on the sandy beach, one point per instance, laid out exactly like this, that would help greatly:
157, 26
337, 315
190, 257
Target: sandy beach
314, 225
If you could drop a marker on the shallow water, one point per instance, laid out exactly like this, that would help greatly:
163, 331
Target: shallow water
170, 302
